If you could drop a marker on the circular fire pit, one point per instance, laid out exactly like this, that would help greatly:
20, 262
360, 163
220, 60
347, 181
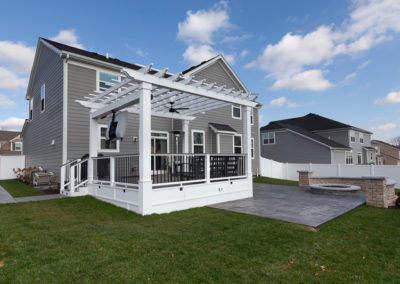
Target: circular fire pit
334, 189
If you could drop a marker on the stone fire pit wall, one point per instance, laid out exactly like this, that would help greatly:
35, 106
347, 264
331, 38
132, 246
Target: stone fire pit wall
379, 192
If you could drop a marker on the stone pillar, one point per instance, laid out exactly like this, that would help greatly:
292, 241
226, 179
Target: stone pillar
379, 193
304, 179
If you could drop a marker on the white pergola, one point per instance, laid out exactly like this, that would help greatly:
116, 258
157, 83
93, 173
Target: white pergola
146, 92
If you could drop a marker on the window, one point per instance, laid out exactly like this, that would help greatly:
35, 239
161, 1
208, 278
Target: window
112, 146
361, 138
359, 159
349, 158
198, 141
268, 138
252, 148
31, 109
237, 144
252, 117
236, 111
42, 97
18, 146
106, 80
352, 136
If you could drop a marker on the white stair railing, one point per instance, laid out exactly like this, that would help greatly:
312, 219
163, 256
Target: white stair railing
71, 176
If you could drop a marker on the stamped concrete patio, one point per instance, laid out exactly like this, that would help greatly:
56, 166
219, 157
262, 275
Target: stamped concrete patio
293, 204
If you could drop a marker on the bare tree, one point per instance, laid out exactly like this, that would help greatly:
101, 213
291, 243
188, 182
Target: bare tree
395, 141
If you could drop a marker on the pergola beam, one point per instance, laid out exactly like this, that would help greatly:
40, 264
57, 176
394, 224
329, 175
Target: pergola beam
118, 105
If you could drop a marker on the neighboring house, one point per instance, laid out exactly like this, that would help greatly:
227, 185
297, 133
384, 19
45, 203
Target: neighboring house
387, 154
58, 127
316, 139
10, 143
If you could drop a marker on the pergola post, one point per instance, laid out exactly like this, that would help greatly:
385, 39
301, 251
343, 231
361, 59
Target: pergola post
145, 183
93, 146
247, 146
185, 130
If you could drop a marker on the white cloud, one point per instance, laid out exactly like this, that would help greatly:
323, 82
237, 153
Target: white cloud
201, 26
10, 81
16, 56
68, 37
12, 123
5, 101
370, 23
308, 80
281, 102
391, 98
364, 64
383, 128
244, 53
235, 38
197, 54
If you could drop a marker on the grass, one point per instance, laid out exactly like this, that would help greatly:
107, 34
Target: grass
84, 240
19, 189
268, 180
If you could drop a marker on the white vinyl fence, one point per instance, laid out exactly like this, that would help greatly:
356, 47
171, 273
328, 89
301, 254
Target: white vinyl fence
8, 163
271, 168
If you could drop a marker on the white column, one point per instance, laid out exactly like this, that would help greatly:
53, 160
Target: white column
247, 146
185, 130
93, 146
112, 170
145, 183
207, 168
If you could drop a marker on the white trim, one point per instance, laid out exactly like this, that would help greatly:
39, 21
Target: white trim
345, 157
222, 131
361, 155
240, 107
218, 143
101, 70
44, 98
262, 138
252, 142
241, 143
158, 137
14, 146
100, 150
204, 140
65, 112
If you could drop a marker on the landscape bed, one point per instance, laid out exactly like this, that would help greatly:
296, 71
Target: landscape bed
82, 239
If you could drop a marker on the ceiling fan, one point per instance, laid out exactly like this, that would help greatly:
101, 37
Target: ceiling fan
172, 109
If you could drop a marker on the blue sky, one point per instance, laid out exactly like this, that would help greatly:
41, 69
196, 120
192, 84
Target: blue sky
339, 59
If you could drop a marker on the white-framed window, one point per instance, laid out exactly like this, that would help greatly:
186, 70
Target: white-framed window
106, 80
112, 146
359, 158
361, 137
268, 138
237, 144
42, 98
198, 138
252, 116
236, 111
349, 157
31, 109
18, 146
352, 136
252, 149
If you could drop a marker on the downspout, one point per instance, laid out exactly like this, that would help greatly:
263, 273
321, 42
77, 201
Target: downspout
65, 58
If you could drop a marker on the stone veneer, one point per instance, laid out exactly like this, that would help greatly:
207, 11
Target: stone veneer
379, 192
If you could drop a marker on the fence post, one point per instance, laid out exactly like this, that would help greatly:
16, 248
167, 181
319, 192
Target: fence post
310, 167
112, 170
207, 168
372, 169
286, 170
339, 170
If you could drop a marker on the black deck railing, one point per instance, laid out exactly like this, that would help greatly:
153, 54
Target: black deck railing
227, 166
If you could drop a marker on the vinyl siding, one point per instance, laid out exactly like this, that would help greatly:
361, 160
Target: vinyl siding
47, 125
292, 148
226, 143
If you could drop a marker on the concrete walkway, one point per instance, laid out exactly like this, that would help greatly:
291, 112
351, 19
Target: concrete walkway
5, 197
293, 204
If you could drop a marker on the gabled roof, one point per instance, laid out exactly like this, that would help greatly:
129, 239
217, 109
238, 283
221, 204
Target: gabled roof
385, 143
8, 135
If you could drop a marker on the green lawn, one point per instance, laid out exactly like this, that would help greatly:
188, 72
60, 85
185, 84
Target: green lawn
18, 189
84, 240
268, 180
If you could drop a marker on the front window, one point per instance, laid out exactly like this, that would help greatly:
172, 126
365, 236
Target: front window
18, 146
236, 111
352, 136
107, 80
252, 148
31, 109
237, 144
107, 146
198, 141
42, 97
361, 138
359, 159
268, 138
349, 158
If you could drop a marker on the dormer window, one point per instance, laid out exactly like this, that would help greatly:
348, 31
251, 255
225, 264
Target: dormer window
352, 136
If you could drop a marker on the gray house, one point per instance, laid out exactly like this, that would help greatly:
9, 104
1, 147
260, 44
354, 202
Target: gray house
316, 139
57, 130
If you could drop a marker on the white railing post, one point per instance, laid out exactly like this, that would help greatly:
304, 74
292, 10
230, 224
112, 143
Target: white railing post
72, 179
247, 147
185, 129
62, 179
207, 168
112, 170
372, 170
93, 147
